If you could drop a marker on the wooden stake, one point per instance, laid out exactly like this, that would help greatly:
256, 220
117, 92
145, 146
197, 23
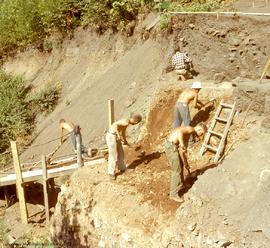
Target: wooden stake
45, 189
19, 182
111, 111
265, 68
78, 138
217, 15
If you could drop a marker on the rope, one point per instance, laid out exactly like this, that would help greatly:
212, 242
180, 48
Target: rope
45, 143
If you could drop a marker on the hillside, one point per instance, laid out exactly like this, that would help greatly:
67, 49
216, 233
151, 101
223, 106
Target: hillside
220, 206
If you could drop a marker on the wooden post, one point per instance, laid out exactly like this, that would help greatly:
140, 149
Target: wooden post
45, 189
19, 182
78, 137
217, 15
253, 4
111, 111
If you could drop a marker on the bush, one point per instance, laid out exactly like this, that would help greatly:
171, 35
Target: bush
46, 98
19, 108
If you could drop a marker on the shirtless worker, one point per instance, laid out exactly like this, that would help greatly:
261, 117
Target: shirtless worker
181, 109
115, 136
176, 141
71, 128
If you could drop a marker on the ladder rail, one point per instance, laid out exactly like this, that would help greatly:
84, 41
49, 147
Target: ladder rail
225, 133
208, 134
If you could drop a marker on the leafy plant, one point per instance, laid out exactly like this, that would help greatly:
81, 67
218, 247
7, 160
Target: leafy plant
19, 108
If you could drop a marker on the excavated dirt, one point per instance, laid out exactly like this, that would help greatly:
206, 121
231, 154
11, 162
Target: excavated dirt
135, 210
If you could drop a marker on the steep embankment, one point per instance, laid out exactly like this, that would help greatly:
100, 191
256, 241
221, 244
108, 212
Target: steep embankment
95, 68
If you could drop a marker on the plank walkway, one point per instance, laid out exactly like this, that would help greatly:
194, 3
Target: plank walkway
37, 174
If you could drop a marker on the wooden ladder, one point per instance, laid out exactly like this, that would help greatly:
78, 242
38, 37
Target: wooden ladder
218, 150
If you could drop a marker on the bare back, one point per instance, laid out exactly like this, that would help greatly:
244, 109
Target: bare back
69, 126
187, 96
119, 126
179, 134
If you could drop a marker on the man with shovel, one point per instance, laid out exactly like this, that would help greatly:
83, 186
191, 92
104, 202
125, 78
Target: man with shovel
175, 142
181, 109
115, 136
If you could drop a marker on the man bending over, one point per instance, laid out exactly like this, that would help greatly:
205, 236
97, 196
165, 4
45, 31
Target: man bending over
73, 129
176, 140
114, 139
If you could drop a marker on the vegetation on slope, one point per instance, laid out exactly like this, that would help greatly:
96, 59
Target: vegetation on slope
19, 108
32, 21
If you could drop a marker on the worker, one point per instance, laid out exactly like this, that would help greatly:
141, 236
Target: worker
181, 109
115, 136
176, 140
181, 63
73, 129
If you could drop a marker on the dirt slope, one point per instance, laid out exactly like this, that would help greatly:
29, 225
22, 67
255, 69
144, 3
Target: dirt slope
94, 69
226, 207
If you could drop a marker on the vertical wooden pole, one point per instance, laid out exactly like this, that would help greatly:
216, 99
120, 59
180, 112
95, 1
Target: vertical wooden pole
253, 4
19, 182
78, 138
45, 189
217, 15
111, 111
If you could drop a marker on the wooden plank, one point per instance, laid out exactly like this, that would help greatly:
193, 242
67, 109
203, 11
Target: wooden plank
45, 189
111, 111
221, 119
220, 13
19, 182
216, 133
211, 148
35, 175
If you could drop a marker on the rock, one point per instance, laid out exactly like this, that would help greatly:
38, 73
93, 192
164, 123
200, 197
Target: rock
191, 25
264, 181
219, 77
265, 126
191, 227
225, 243
132, 85
234, 42
11, 240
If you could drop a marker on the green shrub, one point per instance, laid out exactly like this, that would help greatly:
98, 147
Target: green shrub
19, 108
46, 98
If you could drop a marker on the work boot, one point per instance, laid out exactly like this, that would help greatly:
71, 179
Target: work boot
177, 198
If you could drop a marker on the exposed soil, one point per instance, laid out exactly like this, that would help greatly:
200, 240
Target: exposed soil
130, 71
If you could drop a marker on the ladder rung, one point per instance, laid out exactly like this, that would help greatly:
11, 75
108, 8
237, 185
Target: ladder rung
221, 119
226, 105
211, 148
216, 133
